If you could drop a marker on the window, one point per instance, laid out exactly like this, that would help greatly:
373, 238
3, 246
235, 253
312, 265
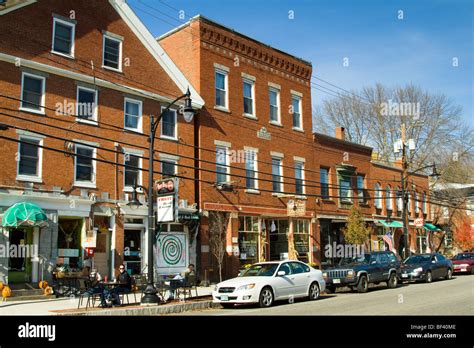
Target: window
222, 162
324, 178
274, 105
84, 166
409, 203
301, 238
221, 88
424, 203
296, 107
276, 175
168, 168
248, 239
345, 189
388, 198
360, 189
132, 172
86, 104
63, 37
33, 93
133, 115
112, 53
378, 196
169, 125
299, 178
399, 200
30, 158
417, 203
251, 169
248, 97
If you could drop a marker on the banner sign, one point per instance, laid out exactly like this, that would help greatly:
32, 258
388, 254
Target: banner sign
167, 200
171, 252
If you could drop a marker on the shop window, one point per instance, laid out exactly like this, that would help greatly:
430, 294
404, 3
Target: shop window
301, 238
279, 239
69, 242
248, 239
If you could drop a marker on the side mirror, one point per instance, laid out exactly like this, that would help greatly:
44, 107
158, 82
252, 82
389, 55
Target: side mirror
373, 262
281, 273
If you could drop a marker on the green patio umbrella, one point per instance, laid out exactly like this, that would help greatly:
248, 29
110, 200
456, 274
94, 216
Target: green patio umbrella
24, 214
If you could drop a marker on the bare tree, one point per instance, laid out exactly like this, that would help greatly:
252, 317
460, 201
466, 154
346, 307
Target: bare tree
374, 115
218, 222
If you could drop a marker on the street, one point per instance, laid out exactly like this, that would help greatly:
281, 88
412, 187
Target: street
453, 297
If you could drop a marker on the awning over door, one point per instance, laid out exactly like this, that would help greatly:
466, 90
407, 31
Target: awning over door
431, 227
24, 214
396, 224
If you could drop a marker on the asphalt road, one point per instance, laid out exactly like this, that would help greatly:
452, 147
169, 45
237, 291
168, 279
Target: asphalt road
442, 297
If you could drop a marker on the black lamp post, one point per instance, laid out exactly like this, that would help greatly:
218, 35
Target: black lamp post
188, 112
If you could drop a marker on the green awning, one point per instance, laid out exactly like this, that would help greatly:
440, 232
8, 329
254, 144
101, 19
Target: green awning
391, 224
24, 214
431, 227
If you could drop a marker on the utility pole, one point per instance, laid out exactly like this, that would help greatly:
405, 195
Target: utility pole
404, 193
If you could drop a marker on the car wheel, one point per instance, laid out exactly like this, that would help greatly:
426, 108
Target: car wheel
449, 274
428, 277
227, 305
314, 291
363, 284
392, 281
330, 289
266, 297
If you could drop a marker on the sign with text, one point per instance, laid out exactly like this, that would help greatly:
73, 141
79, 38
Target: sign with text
419, 222
166, 200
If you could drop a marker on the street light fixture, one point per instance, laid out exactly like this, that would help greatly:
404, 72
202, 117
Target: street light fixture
150, 297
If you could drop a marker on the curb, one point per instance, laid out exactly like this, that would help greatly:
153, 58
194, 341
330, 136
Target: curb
151, 310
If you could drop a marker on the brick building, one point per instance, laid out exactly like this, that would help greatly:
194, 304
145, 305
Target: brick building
82, 83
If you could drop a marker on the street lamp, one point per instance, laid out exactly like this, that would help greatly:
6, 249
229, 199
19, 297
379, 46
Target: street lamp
150, 296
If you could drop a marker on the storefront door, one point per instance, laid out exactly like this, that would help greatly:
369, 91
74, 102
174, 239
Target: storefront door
102, 253
19, 262
133, 251
278, 232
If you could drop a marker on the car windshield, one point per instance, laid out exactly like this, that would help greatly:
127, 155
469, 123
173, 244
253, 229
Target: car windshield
417, 259
362, 258
261, 270
465, 256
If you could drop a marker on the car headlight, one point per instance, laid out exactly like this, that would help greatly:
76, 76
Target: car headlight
325, 274
463, 265
418, 270
350, 274
216, 288
246, 287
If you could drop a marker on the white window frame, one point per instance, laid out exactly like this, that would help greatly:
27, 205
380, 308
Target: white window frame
378, 196
31, 178
73, 37
255, 159
127, 188
399, 200
300, 106
277, 91
87, 184
280, 169
252, 83
41, 111
140, 114
92, 121
360, 190
388, 199
110, 37
226, 86
417, 202
302, 177
424, 204
227, 162
162, 136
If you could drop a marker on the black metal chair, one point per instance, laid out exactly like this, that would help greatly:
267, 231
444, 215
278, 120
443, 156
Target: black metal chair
190, 283
85, 287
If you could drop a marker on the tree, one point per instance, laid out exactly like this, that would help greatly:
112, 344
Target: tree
356, 231
463, 235
373, 117
218, 222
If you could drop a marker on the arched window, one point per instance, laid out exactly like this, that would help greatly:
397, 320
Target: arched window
417, 203
388, 198
378, 196
409, 202
399, 200
424, 203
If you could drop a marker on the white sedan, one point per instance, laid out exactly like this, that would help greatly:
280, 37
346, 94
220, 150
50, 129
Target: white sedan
265, 282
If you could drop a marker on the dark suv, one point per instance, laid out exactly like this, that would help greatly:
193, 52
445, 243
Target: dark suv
359, 271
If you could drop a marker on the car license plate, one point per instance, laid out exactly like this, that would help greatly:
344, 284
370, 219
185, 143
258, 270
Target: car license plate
224, 298
463, 270
404, 275
336, 281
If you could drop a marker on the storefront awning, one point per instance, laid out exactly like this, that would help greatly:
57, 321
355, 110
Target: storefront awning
431, 227
391, 224
24, 214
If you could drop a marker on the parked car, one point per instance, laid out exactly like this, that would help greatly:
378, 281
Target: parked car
359, 271
463, 263
426, 267
266, 282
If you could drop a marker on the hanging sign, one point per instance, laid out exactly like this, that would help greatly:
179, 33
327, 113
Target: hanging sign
167, 200
419, 222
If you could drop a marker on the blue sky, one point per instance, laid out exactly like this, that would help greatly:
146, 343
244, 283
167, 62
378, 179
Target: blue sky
417, 49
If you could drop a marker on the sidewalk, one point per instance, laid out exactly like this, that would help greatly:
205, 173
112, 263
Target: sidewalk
68, 306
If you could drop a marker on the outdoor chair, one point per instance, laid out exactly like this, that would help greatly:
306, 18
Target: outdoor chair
189, 284
84, 287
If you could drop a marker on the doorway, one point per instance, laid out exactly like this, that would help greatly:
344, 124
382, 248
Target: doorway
278, 232
133, 250
19, 261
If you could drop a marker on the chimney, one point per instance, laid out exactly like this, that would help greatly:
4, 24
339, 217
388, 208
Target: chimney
340, 133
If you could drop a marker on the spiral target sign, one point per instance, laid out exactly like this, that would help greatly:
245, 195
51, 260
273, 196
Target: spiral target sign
172, 250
